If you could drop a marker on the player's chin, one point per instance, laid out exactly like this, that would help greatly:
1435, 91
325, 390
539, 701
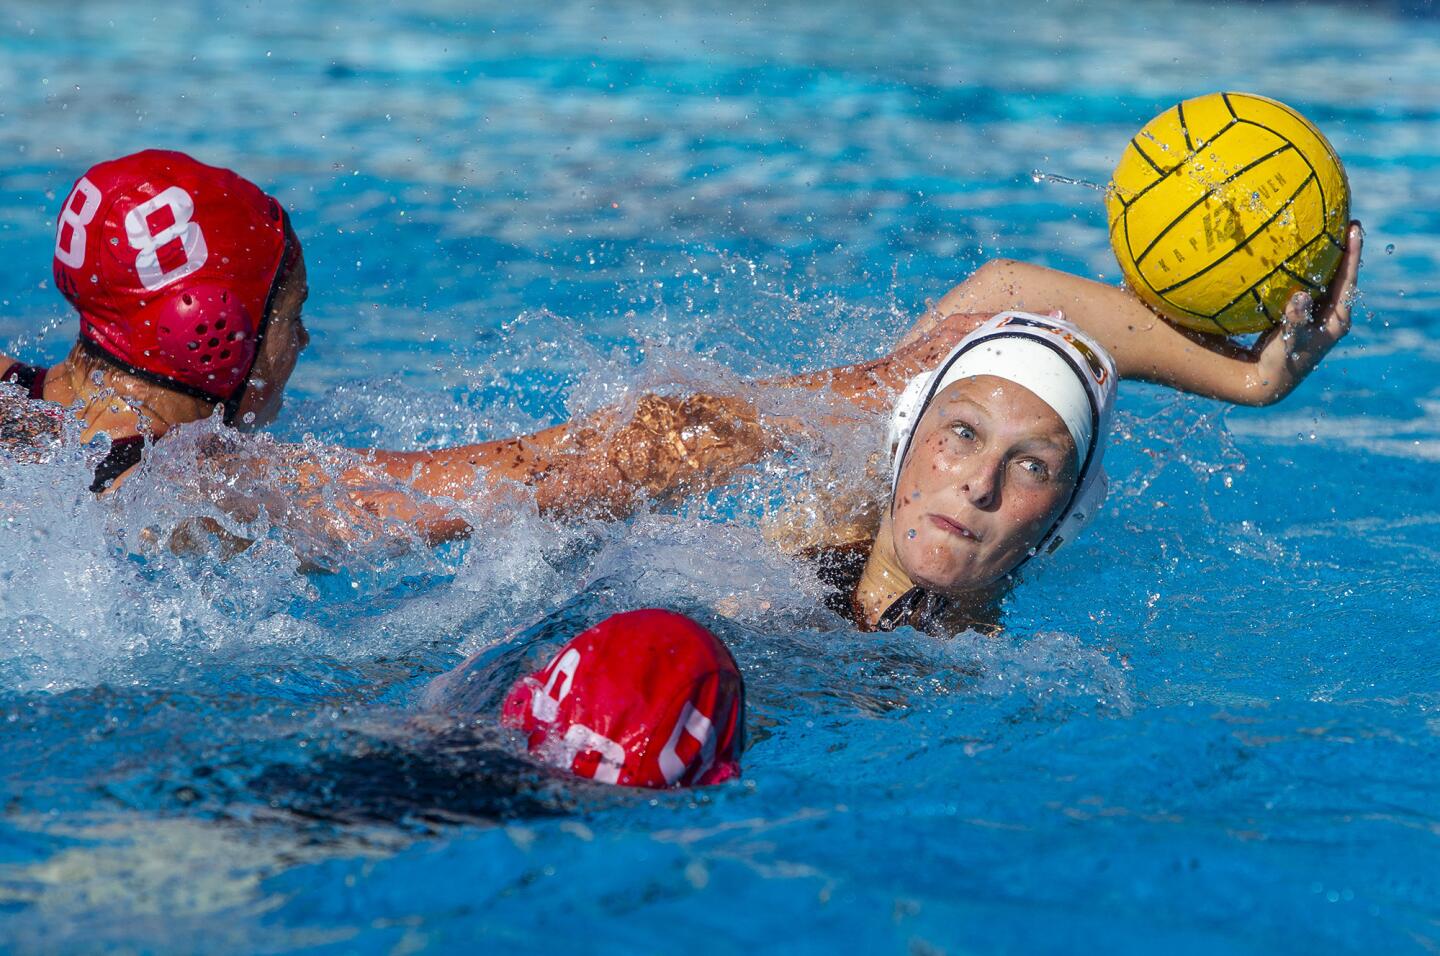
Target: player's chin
942, 569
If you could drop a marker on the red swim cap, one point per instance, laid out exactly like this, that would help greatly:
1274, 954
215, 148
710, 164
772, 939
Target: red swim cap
642, 699
171, 264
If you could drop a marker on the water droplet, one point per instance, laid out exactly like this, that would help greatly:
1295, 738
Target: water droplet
1040, 176
1390, 249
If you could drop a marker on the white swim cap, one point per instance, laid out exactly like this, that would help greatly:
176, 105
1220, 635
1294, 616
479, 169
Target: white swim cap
1065, 368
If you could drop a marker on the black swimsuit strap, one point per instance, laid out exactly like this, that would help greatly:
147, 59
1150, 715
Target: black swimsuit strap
29, 377
914, 607
124, 454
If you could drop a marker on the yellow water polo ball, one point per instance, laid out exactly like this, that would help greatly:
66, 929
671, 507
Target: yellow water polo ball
1224, 206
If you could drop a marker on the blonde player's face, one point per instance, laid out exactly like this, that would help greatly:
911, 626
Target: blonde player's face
989, 470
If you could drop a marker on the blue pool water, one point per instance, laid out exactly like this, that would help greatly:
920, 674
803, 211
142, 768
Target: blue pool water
1212, 725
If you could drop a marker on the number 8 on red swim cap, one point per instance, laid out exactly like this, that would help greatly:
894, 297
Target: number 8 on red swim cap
642, 699
171, 264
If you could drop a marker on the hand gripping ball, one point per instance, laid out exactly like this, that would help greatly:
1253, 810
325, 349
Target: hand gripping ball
1224, 206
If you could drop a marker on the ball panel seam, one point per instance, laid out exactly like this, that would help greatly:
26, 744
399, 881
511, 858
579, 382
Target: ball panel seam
1184, 129
1324, 204
1164, 175
1134, 141
1207, 195
1258, 282
1248, 239
1307, 283
1255, 292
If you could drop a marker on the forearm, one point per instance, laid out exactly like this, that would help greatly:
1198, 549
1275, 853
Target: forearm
604, 465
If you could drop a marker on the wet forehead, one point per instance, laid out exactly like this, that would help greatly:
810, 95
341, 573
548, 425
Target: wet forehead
1007, 408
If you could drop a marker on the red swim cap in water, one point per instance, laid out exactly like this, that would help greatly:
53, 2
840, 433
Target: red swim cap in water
171, 264
642, 699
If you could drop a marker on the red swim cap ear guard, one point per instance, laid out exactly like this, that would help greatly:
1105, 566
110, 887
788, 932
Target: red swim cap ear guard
643, 699
172, 265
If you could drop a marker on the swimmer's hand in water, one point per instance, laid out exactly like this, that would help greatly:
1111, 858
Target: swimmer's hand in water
1288, 352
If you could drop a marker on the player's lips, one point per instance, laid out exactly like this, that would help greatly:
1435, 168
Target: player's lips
951, 526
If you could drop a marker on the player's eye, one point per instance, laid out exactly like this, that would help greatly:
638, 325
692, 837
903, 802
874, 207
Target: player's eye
964, 431
1034, 468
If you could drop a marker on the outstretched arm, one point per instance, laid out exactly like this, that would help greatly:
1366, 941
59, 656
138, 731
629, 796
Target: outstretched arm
661, 448
1148, 348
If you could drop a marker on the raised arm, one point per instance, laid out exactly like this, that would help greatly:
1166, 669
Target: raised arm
1148, 348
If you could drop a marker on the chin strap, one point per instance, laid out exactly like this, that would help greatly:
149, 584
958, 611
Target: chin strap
914, 607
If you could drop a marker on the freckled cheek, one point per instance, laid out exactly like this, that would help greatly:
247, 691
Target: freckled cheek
939, 445
909, 521
922, 490
943, 456
1032, 507
916, 539
926, 484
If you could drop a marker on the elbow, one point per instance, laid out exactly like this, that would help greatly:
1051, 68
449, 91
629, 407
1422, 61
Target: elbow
990, 288
994, 272
1259, 392
1001, 284
978, 284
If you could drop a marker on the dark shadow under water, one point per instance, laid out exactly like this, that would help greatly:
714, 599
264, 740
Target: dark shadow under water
459, 777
